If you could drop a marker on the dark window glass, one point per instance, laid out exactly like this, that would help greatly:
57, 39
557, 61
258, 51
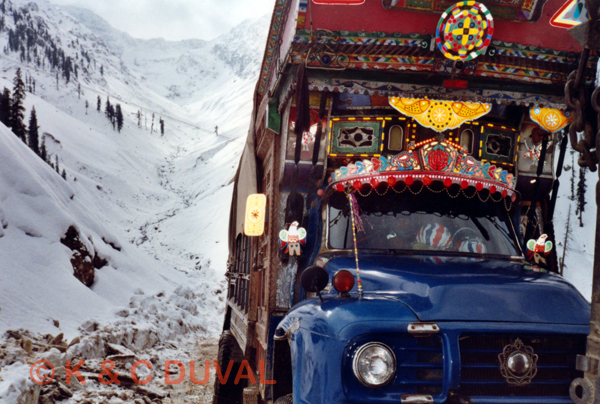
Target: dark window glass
424, 222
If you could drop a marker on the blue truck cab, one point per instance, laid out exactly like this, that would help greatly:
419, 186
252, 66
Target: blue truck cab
450, 310
391, 229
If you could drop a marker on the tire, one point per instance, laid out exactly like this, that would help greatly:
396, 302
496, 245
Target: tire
228, 393
287, 399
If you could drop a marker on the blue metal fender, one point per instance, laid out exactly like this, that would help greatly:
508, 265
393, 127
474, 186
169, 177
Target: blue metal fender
319, 332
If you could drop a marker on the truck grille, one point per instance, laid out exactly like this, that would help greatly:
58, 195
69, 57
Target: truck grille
421, 365
480, 366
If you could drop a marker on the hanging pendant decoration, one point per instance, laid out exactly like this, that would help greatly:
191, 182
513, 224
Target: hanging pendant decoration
440, 115
537, 250
293, 239
464, 31
550, 119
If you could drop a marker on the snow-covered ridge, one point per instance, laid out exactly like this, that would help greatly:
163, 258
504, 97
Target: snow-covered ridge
182, 70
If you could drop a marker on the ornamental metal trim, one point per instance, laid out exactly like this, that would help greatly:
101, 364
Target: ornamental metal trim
512, 350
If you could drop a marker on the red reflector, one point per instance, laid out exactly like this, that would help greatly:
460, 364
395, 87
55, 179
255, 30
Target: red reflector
343, 281
456, 83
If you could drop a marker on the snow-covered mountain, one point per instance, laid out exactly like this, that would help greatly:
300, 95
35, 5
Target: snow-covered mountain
150, 211
184, 70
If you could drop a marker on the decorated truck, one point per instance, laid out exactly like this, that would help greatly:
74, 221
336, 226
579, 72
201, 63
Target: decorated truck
391, 233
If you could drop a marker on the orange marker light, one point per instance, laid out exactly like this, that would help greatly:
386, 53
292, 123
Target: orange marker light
343, 281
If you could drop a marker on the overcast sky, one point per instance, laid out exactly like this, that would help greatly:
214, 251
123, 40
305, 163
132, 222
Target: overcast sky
175, 19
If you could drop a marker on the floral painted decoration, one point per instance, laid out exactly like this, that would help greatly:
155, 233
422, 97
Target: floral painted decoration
551, 119
427, 161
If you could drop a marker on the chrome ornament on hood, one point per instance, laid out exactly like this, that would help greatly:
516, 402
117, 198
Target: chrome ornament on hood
518, 363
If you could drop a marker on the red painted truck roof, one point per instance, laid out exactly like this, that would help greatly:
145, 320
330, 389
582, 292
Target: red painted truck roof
372, 17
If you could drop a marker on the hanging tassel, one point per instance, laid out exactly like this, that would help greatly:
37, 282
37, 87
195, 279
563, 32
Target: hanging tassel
355, 216
356, 213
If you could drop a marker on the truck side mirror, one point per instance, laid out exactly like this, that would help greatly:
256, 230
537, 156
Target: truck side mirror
314, 279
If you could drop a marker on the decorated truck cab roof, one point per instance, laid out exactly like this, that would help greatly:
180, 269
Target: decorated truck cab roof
433, 198
427, 162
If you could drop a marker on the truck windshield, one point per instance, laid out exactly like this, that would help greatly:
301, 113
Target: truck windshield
426, 222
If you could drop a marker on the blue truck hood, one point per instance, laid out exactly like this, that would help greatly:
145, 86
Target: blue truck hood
464, 289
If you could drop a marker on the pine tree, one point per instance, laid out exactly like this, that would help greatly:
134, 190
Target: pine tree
108, 109
102, 70
87, 105
110, 114
119, 117
18, 110
581, 187
152, 124
5, 107
139, 116
33, 133
43, 151
78, 91
67, 68
99, 104
162, 127
568, 237
572, 197
64, 174
56, 167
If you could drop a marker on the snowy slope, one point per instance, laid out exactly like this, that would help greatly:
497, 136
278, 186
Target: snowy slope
579, 254
162, 200
156, 208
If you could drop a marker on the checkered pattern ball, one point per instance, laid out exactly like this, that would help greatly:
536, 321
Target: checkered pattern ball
464, 31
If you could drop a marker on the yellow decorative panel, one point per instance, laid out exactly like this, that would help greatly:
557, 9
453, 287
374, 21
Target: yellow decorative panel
550, 119
440, 115
254, 225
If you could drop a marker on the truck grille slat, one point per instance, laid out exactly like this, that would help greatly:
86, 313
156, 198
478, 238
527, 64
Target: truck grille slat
421, 368
496, 366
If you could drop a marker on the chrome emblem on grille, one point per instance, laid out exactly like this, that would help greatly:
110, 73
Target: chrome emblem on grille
518, 363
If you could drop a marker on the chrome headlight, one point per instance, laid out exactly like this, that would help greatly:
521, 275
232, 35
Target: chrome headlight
374, 364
